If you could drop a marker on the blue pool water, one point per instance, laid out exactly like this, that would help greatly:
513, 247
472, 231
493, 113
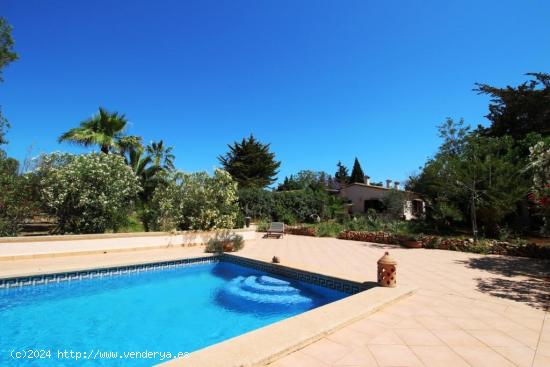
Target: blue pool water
177, 311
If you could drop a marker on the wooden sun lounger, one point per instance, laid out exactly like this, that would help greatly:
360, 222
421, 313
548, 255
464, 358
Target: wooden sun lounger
276, 229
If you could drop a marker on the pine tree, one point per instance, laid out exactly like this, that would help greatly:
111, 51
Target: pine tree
357, 174
342, 173
250, 163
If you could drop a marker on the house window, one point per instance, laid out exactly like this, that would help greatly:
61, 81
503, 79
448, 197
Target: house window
373, 204
417, 207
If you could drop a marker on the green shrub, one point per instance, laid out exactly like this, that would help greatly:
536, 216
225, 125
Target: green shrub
16, 199
225, 241
504, 233
519, 247
290, 207
262, 226
328, 229
240, 220
133, 224
373, 223
409, 237
342, 217
431, 242
148, 216
540, 165
479, 247
393, 204
286, 218
196, 201
256, 203
88, 193
376, 237
364, 223
396, 226
300, 204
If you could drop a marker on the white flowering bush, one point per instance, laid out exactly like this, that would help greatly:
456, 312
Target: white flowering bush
540, 164
88, 193
196, 201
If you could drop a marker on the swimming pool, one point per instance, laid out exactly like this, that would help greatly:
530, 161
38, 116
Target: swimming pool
144, 318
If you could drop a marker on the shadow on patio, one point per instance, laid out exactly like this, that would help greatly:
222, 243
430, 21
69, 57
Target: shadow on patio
517, 278
383, 246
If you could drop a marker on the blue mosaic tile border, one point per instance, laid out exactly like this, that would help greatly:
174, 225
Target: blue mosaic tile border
102, 273
326, 281
342, 285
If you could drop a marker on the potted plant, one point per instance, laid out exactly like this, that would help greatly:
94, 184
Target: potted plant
225, 241
411, 240
227, 246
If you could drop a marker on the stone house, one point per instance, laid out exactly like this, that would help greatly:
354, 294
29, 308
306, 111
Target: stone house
362, 196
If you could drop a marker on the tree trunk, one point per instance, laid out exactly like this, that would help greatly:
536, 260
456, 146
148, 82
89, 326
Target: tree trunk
474, 217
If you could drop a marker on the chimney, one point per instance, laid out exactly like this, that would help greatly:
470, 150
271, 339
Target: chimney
388, 183
366, 180
396, 185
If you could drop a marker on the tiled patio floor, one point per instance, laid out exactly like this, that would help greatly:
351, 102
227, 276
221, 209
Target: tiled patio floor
22, 267
470, 310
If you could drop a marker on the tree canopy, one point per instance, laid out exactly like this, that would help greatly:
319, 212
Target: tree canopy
4, 125
306, 179
161, 155
540, 166
517, 111
105, 130
251, 163
357, 174
484, 178
7, 55
342, 173
475, 177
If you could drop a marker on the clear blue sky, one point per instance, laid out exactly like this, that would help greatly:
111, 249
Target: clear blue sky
321, 81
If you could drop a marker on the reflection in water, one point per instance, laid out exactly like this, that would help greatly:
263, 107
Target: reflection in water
262, 294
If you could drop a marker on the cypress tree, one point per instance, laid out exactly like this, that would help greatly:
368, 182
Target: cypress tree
357, 174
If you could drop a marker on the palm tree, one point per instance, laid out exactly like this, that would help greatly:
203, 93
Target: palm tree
149, 175
105, 129
126, 144
145, 171
161, 155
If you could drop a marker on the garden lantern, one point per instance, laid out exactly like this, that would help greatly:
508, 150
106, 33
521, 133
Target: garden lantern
387, 271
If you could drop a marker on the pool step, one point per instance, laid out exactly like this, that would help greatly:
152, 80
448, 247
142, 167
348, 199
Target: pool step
252, 289
267, 280
253, 284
